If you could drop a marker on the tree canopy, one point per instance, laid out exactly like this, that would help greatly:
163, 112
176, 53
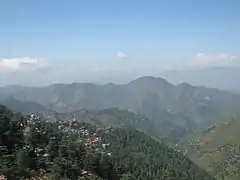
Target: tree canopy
33, 147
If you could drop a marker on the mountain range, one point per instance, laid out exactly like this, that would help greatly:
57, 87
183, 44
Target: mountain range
173, 110
219, 77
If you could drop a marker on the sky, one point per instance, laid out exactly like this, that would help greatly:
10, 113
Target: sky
44, 42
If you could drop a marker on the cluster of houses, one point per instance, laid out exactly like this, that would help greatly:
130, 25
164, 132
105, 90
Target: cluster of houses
89, 135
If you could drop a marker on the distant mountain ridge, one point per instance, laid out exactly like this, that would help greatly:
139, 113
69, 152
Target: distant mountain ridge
223, 78
23, 107
174, 109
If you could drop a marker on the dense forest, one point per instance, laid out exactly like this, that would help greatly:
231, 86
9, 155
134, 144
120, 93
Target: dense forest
32, 147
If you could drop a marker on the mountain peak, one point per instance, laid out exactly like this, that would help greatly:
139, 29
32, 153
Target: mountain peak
150, 79
185, 85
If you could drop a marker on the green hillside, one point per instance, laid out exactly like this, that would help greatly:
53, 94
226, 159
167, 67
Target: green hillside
125, 119
218, 149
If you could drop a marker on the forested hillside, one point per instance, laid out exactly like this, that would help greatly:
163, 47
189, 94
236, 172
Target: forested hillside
218, 149
124, 119
33, 147
175, 110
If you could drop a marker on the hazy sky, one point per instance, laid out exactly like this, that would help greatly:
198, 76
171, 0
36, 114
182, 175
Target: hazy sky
47, 41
